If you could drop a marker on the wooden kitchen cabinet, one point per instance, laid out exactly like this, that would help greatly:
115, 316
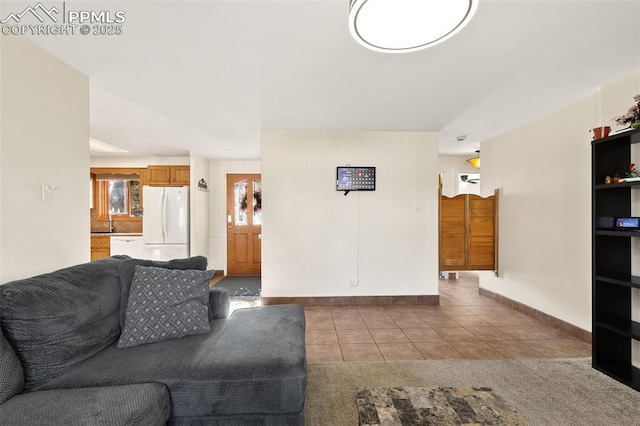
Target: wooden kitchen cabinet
144, 177
100, 246
180, 175
158, 175
168, 175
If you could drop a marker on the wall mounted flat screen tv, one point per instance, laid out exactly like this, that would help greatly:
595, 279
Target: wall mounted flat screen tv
356, 179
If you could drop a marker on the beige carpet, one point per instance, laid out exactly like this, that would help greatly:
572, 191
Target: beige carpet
555, 392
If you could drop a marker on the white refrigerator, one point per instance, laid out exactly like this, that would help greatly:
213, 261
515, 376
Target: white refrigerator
165, 222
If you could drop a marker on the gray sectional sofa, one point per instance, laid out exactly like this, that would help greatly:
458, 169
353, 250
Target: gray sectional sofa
60, 363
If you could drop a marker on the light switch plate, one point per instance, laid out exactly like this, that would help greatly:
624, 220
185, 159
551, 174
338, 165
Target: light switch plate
47, 193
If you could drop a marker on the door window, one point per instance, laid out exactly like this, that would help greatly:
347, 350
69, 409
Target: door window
257, 202
240, 202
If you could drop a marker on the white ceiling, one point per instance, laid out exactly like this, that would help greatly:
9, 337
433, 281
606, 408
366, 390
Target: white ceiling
208, 76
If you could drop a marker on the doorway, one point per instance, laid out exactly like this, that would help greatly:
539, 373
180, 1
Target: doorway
469, 183
244, 224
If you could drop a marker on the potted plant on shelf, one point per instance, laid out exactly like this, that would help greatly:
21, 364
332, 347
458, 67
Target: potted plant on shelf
632, 116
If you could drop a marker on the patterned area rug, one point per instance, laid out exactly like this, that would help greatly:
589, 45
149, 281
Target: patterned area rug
412, 406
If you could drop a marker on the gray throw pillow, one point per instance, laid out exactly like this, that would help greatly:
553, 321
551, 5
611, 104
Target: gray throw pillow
11, 374
166, 304
127, 269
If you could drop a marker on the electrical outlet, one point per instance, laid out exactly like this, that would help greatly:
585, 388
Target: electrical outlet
354, 283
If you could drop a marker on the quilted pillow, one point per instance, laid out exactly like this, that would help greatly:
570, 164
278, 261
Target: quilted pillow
166, 304
127, 269
57, 320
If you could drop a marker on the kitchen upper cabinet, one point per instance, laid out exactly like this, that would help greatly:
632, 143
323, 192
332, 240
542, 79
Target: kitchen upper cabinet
144, 177
180, 175
168, 175
159, 175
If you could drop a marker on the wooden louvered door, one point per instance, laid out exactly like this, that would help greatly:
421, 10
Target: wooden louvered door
453, 241
468, 233
481, 233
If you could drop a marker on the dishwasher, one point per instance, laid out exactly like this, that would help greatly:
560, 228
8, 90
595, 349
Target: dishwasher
131, 246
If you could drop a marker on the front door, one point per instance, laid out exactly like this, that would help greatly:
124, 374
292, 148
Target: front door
244, 224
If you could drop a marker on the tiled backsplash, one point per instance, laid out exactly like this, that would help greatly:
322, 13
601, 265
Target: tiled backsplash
99, 225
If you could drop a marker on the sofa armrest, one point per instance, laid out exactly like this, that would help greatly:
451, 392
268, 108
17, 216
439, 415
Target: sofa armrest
218, 303
147, 404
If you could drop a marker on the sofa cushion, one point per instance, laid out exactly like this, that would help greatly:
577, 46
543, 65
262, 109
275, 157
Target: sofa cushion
166, 304
128, 268
218, 303
56, 320
143, 404
252, 362
11, 374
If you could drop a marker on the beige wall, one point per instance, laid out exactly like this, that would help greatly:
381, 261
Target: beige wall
199, 211
543, 171
44, 139
616, 98
318, 242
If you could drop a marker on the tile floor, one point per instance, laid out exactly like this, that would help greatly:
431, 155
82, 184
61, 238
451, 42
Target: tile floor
464, 325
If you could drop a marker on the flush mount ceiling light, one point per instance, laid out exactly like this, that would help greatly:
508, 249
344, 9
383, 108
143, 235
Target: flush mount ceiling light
397, 26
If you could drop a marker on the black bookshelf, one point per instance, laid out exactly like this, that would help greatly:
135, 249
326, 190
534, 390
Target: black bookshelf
612, 281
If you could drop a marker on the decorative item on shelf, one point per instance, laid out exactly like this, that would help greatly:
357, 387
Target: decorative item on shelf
600, 132
630, 175
475, 161
631, 171
632, 116
202, 185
